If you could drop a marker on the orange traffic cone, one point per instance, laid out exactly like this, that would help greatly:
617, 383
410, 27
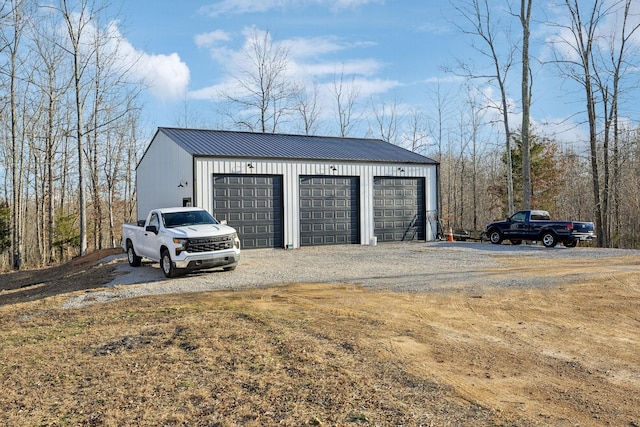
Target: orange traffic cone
450, 239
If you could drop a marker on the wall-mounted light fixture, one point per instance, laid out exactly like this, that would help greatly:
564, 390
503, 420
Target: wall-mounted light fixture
400, 169
183, 184
250, 165
333, 168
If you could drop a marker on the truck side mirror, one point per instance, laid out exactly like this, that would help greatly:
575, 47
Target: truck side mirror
223, 222
152, 229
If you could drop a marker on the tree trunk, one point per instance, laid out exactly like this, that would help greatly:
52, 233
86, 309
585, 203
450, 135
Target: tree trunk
525, 19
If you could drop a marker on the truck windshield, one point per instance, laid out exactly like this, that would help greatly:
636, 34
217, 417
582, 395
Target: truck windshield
180, 219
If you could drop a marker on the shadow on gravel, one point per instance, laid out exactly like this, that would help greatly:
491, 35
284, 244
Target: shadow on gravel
505, 247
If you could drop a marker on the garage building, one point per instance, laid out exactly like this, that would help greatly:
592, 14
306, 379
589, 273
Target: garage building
287, 191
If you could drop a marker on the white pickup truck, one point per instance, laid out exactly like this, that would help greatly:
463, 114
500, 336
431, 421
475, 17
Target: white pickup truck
181, 238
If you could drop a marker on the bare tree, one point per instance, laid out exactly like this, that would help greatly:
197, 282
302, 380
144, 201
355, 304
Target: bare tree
186, 117
526, 84
477, 14
15, 11
610, 68
59, 93
581, 42
467, 162
437, 129
264, 94
475, 121
112, 99
346, 96
309, 109
77, 24
416, 136
386, 120
53, 86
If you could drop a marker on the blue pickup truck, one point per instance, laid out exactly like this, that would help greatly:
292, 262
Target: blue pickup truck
536, 225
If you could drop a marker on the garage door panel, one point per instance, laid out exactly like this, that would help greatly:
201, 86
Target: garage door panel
399, 209
329, 210
253, 205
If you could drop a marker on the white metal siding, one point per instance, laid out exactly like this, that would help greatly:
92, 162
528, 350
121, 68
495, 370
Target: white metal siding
291, 171
164, 167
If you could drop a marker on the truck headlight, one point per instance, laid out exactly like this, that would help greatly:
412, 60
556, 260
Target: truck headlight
182, 244
236, 241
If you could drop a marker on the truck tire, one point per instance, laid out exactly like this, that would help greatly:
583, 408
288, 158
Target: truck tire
549, 239
167, 266
134, 260
495, 237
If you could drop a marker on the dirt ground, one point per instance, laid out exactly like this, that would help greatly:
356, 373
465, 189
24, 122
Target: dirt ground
79, 274
319, 354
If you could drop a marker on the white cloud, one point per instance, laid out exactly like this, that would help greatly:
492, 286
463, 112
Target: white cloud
313, 46
348, 4
445, 79
437, 28
207, 40
209, 93
167, 75
240, 7
361, 67
368, 88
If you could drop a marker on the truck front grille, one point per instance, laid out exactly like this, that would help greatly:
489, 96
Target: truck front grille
210, 244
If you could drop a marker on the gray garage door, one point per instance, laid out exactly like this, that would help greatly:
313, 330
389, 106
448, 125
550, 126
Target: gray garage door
329, 211
399, 209
253, 205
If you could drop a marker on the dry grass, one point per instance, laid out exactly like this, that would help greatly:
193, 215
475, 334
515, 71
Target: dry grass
313, 354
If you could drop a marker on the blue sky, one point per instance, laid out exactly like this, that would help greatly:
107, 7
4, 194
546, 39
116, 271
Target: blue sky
394, 50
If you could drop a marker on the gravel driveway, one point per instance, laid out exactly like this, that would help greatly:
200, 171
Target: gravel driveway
402, 267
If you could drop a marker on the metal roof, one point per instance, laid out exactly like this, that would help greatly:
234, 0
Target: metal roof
199, 142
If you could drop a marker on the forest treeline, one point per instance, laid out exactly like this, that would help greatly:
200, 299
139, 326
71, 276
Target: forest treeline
71, 119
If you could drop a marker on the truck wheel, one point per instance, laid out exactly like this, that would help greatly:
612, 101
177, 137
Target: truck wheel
549, 239
134, 260
495, 237
570, 243
166, 264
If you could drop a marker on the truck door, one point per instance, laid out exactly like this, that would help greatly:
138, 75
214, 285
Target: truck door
518, 227
148, 239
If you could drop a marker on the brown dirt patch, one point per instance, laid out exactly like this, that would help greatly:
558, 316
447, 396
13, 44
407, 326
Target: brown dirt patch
316, 354
81, 273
